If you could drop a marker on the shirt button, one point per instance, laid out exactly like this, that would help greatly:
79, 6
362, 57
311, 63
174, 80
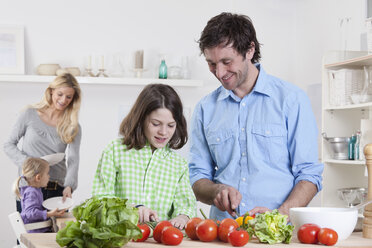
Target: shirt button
267, 132
243, 129
243, 179
243, 204
243, 154
243, 104
218, 139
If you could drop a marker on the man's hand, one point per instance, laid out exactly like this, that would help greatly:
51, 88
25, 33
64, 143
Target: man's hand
227, 199
224, 197
258, 210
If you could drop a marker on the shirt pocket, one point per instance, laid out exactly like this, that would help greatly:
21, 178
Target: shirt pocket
270, 142
221, 146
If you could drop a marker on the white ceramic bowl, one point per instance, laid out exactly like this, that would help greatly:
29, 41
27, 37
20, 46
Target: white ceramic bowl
342, 220
48, 69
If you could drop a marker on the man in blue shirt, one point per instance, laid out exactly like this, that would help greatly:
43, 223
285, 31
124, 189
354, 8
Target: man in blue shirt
254, 139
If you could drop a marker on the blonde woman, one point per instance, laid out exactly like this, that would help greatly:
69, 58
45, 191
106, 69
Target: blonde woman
51, 126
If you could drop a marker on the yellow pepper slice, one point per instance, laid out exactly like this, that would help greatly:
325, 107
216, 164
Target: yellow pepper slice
240, 219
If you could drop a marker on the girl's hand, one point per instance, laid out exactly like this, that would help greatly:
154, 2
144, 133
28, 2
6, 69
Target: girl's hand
67, 192
147, 214
56, 212
180, 221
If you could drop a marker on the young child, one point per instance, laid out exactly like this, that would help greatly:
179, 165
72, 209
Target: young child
35, 175
141, 166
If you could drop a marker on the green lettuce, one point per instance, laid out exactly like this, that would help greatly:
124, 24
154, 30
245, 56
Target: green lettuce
100, 223
271, 227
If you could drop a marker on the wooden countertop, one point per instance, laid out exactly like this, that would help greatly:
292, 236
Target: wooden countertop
43, 240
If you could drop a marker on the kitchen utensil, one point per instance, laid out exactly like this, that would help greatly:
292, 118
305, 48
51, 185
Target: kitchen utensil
342, 220
339, 145
54, 158
361, 205
351, 196
56, 202
367, 222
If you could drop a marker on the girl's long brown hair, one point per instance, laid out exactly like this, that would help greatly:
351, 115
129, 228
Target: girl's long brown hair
152, 97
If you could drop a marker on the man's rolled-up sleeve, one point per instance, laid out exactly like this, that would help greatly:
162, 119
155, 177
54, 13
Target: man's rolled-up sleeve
303, 141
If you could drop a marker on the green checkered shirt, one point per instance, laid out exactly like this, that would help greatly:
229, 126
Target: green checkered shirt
158, 180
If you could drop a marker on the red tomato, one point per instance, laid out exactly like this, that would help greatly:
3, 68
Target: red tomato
227, 225
308, 233
206, 230
171, 236
190, 228
145, 230
327, 236
159, 228
238, 237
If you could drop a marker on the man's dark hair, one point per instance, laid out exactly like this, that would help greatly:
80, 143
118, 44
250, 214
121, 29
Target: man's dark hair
234, 29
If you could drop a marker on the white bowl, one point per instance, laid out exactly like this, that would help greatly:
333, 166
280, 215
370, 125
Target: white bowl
342, 220
48, 69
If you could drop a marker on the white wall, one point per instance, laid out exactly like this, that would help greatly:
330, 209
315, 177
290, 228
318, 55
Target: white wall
294, 35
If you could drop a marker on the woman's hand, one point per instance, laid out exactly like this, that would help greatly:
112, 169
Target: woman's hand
56, 212
67, 192
180, 221
147, 214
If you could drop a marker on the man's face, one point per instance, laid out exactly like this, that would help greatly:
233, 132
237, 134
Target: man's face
229, 67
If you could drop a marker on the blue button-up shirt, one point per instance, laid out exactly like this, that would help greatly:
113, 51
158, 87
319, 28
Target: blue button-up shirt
262, 144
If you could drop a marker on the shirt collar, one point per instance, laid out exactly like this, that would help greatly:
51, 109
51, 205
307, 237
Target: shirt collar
261, 86
159, 151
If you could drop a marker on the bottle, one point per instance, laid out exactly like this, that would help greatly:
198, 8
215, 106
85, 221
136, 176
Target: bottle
163, 74
356, 145
352, 147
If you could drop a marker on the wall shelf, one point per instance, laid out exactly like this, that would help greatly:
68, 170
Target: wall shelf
351, 106
349, 162
365, 60
342, 121
103, 80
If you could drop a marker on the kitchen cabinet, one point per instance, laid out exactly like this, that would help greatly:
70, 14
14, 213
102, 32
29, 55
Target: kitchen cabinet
342, 120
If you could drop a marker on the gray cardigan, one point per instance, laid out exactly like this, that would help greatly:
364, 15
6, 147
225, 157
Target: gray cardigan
40, 139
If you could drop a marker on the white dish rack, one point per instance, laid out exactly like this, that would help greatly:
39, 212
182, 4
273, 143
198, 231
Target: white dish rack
344, 85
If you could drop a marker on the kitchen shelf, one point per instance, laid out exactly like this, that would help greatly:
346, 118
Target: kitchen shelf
102, 80
351, 106
342, 121
360, 61
350, 162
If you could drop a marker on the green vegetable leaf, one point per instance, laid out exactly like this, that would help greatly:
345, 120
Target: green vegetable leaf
100, 222
271, 228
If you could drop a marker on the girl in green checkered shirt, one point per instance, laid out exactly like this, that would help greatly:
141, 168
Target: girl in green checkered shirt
141, 167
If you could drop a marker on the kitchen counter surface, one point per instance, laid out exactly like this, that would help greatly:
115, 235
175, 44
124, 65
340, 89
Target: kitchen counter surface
43, 240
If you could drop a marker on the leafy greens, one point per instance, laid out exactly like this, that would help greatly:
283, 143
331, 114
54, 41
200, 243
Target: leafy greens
271, 227
100, 223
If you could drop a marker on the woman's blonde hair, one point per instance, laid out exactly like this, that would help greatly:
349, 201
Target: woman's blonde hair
68, 126
30, 168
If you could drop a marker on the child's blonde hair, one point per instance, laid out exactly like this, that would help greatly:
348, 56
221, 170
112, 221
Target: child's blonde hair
30, 168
